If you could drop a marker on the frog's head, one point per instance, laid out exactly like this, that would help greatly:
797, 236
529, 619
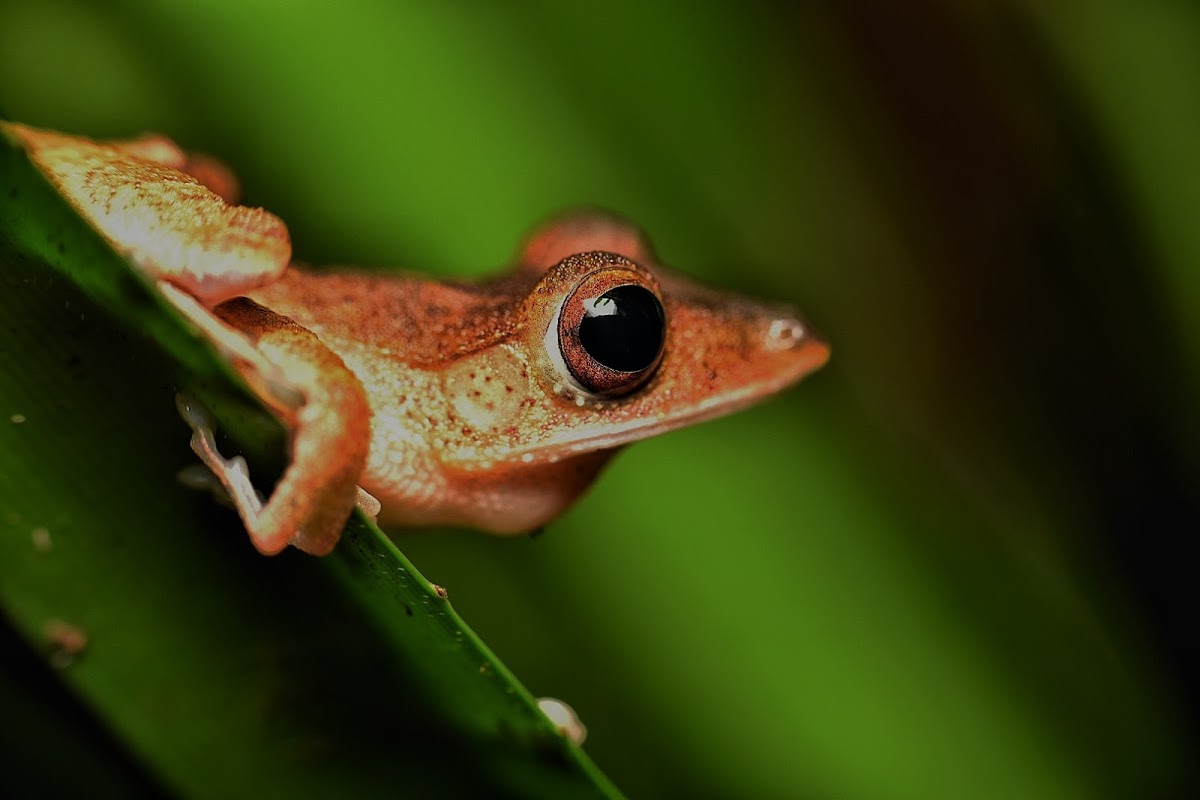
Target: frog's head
622, 350
608, 348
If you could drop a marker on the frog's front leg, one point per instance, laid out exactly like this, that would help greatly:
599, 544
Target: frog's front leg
318, 399
166, 211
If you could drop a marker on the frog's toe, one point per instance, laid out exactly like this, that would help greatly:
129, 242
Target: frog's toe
232, 474
201, 479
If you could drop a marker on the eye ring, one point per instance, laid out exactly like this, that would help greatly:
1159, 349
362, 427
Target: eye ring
612, 331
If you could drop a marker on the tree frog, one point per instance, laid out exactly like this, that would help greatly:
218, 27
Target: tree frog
492, 405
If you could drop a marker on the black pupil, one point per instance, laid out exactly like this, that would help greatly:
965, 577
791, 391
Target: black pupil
623, 328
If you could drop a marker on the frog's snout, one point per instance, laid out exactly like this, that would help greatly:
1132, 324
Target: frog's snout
785, 334
789, 333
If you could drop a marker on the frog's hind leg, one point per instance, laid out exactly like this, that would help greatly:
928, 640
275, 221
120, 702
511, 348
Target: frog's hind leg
583, 231
209, 171
317, 397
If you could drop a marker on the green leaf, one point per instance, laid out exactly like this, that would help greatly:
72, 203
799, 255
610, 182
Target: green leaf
217, 672
946, 566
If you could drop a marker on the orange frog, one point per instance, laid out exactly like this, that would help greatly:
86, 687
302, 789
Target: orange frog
492, 405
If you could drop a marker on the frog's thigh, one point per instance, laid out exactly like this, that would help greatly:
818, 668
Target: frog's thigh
330, 433
139, 195
209, 171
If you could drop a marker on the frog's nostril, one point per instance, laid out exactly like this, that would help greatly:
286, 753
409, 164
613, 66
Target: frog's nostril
785, 334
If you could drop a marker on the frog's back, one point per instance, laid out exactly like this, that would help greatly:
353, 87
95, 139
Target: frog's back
409, 317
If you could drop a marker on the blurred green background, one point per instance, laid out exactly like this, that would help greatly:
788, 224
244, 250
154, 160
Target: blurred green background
949, 565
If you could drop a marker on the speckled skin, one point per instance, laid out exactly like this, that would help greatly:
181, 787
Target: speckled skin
450, 397
146, 198
472, 423
447, 401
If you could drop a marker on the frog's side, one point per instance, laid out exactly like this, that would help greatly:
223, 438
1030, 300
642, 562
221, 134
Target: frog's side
453, 397
478, 404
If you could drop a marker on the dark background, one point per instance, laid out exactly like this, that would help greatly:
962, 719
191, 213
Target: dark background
949, 565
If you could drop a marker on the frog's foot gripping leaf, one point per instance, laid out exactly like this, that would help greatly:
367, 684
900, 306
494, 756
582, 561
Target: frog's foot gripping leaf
229, 479
232, 475
317, 397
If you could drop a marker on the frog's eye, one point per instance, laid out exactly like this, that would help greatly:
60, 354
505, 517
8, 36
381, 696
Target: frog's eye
611, 331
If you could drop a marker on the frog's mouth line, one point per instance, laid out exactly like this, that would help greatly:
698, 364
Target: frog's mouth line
638, 429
